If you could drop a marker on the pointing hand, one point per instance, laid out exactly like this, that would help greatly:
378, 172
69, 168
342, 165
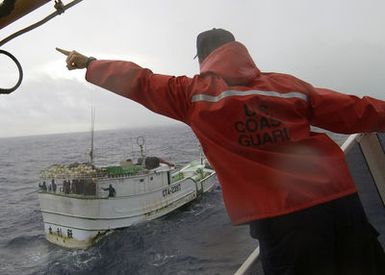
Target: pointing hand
75, 60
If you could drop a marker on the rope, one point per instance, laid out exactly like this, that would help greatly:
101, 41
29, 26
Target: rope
10, 90
60, 8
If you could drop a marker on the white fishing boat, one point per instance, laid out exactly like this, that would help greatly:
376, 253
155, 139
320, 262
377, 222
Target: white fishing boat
80, 203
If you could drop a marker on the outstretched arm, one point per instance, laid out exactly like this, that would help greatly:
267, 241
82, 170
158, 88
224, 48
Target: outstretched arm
163, 94
347, 114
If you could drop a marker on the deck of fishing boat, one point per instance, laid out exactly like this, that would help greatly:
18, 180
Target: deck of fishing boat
366, 160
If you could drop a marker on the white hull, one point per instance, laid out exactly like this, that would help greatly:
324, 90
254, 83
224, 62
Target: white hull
79, 221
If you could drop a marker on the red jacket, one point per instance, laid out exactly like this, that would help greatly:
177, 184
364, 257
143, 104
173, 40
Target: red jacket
254, 128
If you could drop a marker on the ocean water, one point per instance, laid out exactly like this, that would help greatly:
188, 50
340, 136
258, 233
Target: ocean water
197, 239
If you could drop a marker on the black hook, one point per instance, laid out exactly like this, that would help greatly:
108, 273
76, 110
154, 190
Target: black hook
10, 90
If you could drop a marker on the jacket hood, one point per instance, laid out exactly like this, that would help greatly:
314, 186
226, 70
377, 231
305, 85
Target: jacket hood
232, 62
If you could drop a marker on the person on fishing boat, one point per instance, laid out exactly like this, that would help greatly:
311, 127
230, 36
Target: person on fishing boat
111, 191
54, 185
290, 184
43, 186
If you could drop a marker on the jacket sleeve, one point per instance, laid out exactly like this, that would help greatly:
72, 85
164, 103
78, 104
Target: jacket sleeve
166, 95
346, 114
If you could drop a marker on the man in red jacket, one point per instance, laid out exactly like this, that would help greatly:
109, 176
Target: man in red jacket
290, 184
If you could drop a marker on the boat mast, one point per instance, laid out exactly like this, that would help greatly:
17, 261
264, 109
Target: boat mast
92, 134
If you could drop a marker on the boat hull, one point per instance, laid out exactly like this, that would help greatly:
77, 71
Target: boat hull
79, 222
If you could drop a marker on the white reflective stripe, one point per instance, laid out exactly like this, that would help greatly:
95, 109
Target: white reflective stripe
224, 94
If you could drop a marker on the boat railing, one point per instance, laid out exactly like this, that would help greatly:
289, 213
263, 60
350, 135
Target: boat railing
373, 151
88, 185
84, 188
194, 170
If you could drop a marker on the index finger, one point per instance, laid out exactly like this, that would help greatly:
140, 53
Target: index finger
65, 52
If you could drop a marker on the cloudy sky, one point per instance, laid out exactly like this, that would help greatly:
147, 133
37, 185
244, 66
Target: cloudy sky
339, 44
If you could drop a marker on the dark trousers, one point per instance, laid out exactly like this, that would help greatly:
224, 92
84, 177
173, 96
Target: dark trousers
334, 238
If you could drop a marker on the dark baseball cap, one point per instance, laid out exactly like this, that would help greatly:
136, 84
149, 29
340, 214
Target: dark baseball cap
208, 41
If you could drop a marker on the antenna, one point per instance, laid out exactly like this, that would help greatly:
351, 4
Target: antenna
92, 133
140, 141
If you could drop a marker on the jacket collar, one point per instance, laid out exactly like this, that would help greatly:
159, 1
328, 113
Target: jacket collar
232, 62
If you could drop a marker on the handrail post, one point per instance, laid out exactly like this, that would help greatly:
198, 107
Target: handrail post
375, 158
